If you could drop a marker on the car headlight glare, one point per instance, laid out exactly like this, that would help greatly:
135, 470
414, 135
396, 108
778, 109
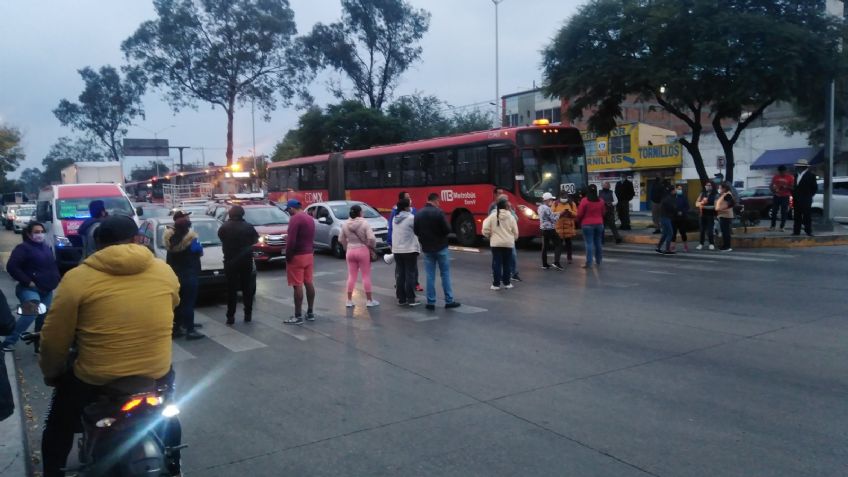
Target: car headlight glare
62, 241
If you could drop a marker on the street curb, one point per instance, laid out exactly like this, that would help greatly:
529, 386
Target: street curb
741, 241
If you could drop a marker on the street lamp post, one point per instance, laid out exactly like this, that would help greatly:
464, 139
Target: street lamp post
497, 69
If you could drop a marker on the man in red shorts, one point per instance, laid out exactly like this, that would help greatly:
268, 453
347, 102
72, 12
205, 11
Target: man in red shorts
300, 256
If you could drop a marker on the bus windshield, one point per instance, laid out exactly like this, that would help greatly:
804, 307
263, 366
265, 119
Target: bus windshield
551, 170
78, 208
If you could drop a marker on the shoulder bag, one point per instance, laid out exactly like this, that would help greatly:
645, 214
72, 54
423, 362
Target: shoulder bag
371, 250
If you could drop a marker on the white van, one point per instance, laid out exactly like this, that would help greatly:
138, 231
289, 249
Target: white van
839, 204
63, 208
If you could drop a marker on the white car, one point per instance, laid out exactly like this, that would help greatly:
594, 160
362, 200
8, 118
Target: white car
211, 264
839, 205
23, 216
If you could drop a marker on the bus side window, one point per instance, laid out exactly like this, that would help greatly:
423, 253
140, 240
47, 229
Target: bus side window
443, 163
472, 165
389, 167
413, 171
353, 173
505, 175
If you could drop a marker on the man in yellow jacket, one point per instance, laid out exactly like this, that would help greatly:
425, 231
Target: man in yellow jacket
118, 306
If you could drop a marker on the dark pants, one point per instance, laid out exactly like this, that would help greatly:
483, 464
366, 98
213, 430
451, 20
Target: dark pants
501, 265
406, 276
64, 419
724, 224
609, 222
803, 216
667, 234
781, 204
679, 226
550, 240
623, 209
240, 276
707, 228
184, 314
568, 248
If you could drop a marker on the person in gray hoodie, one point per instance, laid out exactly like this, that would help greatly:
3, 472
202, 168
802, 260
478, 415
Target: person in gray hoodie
405, 249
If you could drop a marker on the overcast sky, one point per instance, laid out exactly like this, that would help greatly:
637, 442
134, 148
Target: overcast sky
44, 42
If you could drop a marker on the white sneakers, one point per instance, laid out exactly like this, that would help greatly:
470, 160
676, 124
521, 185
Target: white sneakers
712, 247
349, 304
372, 303
494, 287
509, 286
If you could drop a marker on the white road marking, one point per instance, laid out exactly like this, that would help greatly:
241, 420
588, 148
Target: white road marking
178, 353
417, 316
374, 288
469, 309
226, 336
660, 272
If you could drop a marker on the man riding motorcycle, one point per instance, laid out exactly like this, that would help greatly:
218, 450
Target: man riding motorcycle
118, 307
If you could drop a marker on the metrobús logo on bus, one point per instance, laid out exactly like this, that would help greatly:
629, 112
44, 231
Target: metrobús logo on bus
312, 197
469, 198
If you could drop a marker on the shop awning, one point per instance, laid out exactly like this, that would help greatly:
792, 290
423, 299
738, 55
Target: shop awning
787, 157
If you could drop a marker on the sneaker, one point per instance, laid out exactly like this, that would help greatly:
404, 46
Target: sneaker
372, 303
494, 287
430, 306
509, 286
349, 304
669, 252
727, 250
712, 247
700, 247
586, 265
657, 232
194, 335
517, 278
413, 303
8, 348
310, 316
294, 320
558, 267
177, 332
401, 303
452, 304
546, 267
658, 250
231, 320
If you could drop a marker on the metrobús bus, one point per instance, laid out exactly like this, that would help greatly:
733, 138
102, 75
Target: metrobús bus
462, 169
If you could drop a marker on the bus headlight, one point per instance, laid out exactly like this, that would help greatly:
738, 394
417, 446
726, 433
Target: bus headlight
528, 212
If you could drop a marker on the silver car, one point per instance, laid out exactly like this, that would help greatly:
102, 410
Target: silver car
329, 217
212, 262
23, 216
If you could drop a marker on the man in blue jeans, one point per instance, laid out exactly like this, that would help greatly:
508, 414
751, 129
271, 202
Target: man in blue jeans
432, 230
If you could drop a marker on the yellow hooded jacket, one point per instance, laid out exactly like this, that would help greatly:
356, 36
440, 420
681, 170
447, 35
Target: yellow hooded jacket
119, 306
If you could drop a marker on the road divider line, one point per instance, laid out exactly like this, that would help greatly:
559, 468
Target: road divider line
226, 336
418, 317
469, 309
178, 353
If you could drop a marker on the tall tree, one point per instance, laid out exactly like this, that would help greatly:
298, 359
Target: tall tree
420, 116
31, 180
11, 152
373, 44
725, 65
223, 52
469, 121
66, 151
107, 106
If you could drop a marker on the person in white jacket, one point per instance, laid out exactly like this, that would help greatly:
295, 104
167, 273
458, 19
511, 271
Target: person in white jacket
501, 229
405, 248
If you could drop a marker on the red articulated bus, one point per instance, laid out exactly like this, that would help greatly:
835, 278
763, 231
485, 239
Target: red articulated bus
462, 169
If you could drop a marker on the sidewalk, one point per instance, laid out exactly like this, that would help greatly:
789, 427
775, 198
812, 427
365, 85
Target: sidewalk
13, 448
750, 237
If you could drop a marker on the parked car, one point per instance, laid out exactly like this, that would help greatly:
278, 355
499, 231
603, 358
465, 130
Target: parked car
24, 215
9, 215
211, 264
329, 217
839, 205
270, 222
757, 199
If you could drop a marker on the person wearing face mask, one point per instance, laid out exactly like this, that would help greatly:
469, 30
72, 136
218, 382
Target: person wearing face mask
678, 223
566, 210
183, 255
805, 188
706, 208
724, 211
32, 265
607, 196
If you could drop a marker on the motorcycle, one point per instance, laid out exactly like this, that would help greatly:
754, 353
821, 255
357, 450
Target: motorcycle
130, 430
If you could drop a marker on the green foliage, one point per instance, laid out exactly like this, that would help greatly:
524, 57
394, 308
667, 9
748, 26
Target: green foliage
107, 106
722, 62
373, 44
66, 151
420, 117
470, 121
30, 181
11, 152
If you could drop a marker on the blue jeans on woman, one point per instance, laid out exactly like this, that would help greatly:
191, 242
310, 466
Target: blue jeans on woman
667, 234
26, 294
592, 235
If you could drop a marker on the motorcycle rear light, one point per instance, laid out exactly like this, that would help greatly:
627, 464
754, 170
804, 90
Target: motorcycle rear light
131, 404
106, 422
153, 400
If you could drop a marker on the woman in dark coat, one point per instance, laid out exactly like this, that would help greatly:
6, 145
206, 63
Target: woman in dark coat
184, 252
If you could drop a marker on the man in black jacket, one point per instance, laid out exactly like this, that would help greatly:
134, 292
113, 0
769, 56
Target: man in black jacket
624, 193
658, 193
432, 230
806, 186
237, 239
7, 325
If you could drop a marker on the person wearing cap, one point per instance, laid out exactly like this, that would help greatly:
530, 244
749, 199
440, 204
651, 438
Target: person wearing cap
237, 240
550, 239
118, 309
97, 212
183, 255
781, 186
806, 186
300, 261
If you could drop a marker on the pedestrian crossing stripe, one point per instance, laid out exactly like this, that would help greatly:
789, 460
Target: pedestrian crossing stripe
226, 336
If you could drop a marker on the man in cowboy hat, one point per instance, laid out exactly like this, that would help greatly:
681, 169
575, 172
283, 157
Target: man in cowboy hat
806, 186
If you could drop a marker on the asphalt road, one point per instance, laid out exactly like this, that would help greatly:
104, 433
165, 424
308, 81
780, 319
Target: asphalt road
700, 364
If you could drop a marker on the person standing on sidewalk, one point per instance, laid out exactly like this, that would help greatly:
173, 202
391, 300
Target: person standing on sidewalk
590, 215
781, 186
32, 265
706, 207
237, 240
550, 239
358, 240
405, 249
608, 197
678, 223
658, 192
724, 211
806, 187
501, 228
183, 255
432, 230
624, 193
300, 261
566, 211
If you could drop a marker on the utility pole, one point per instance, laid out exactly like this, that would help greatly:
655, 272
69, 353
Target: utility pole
837, 9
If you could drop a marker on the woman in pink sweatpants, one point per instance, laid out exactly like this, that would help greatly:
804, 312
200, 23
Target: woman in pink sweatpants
358, 238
